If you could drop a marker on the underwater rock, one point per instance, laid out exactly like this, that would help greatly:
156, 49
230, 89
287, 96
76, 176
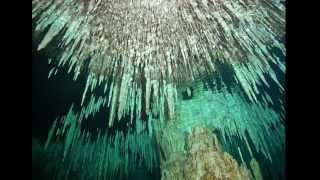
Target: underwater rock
206, 160
203, 160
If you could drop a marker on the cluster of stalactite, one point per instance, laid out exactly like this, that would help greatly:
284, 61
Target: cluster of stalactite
141, 50
78, 154
143, 54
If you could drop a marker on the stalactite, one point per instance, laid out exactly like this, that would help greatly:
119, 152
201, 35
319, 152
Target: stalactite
172, 43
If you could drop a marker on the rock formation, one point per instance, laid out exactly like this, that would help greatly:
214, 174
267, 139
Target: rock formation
203, 160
